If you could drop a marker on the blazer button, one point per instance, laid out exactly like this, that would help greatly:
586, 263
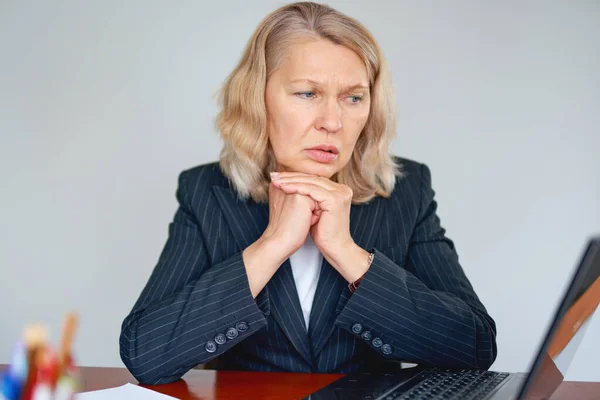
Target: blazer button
366, 336
211, 346
231, 333
241, 326
220, 338
387, 349
377, 342
357, 329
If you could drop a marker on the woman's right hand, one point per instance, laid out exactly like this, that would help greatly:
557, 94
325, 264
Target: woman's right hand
290, 219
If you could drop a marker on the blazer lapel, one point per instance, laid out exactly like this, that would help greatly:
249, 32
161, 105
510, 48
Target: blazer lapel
286, 308
248, 221
332, 289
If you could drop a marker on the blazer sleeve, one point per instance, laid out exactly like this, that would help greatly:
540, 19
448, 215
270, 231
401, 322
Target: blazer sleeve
426, 310
185, 304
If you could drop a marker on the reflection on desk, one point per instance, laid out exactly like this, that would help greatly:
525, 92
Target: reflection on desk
221, 385
218, 385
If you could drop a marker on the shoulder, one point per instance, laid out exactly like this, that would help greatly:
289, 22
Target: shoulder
413, 189
195, 183
414, 175
204, 175
412, 192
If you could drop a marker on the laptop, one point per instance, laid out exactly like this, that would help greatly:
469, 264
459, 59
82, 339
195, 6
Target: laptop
545, 375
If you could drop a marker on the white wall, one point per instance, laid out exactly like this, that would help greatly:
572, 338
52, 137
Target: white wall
103, 103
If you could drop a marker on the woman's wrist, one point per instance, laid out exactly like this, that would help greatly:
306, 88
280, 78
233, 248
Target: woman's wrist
351, 261
261, 260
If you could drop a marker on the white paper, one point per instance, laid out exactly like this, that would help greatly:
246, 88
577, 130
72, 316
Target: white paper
125, 392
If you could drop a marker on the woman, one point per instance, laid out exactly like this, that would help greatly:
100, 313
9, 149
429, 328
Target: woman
308, 248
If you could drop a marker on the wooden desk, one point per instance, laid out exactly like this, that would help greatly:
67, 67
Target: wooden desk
220, 385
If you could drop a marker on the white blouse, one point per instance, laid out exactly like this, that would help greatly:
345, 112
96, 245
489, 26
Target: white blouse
306, 267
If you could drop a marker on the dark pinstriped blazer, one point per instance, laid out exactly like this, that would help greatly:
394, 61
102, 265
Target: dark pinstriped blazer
414, 304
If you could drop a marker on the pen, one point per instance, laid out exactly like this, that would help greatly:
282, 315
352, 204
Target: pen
9, 387
68, 333
13, 379
35, 337
67, 383
46, 366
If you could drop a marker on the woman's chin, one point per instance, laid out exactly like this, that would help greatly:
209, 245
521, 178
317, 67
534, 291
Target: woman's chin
311, 167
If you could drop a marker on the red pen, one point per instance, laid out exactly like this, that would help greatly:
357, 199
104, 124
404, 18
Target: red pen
35, 337
46, 367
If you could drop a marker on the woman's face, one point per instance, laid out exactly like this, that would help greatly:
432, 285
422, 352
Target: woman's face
317, 105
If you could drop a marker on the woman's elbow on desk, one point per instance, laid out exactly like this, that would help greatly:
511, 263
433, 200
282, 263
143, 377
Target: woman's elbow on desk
149, 365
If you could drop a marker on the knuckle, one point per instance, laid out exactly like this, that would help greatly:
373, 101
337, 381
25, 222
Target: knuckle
348, 192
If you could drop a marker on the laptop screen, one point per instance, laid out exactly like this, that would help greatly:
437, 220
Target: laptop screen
568, 328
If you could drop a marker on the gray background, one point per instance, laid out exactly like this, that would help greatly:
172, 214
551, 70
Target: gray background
103, 103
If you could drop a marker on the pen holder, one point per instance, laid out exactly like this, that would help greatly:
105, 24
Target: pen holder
38, 372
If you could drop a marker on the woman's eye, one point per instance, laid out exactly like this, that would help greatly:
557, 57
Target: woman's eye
355, 99
306, 95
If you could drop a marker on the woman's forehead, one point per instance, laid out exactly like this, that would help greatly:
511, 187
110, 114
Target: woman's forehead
323, 62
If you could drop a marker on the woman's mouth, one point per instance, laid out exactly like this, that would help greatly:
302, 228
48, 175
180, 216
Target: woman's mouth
323, 154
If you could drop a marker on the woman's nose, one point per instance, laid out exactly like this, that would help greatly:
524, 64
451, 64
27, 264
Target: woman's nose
330, 118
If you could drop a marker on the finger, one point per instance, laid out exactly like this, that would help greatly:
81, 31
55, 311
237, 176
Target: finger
278, 176
299, 179
274, 191
310, 179
288, 174
316, 207
314, 219
323, 196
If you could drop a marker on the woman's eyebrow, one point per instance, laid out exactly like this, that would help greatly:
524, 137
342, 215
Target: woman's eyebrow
311, 82
319, 85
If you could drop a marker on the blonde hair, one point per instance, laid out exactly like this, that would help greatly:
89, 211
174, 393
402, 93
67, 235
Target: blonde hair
247, 158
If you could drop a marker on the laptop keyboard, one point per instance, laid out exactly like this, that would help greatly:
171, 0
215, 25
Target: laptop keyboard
440, 384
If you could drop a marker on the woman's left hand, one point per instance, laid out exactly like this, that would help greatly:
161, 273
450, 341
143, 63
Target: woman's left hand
331, 233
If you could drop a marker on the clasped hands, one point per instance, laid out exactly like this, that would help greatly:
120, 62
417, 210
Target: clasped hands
302, 204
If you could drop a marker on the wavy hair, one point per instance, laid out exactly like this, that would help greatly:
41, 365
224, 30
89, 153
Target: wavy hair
247, 157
